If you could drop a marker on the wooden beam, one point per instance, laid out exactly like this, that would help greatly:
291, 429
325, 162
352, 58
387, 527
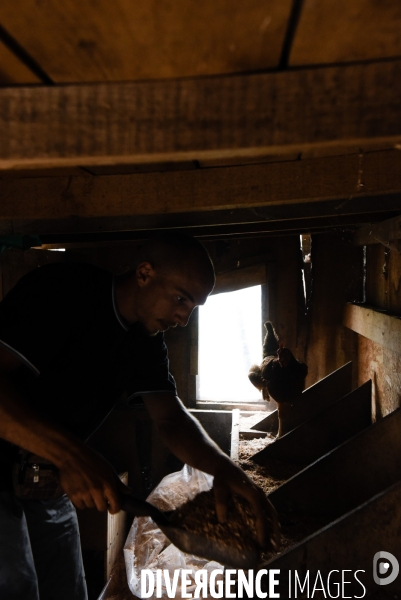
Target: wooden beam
379, 233
240, 278
334, 31
126, 40
12, 69
376, 326
262, 219
201, 190
210, 117
344, 224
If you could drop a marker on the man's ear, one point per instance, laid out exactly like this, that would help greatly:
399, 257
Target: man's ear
144, 273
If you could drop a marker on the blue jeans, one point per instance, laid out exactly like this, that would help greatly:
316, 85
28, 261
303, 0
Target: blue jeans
40, 553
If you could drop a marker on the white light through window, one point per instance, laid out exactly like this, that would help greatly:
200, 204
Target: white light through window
230, 341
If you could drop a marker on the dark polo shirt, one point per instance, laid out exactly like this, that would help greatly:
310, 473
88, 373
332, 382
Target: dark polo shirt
78, 355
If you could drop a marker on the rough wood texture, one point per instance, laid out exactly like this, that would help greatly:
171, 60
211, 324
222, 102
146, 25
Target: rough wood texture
12, 70
268, 218
383, 288
376, 326
383, 366
235, 434
332, 31
323, 432
337, 278
200, 190
116, 533
350, 542
314, 399
130, 39
319, 489
208, 117
379, 233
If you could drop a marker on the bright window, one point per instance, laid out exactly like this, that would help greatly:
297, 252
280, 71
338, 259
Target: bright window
230, 341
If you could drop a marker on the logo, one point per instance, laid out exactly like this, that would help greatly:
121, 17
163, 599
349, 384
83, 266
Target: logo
385, 568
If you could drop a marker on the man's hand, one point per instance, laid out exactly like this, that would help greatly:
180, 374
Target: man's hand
230, 478
184, 436
91, 482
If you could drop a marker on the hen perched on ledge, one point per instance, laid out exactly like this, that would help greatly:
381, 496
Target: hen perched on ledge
280, 376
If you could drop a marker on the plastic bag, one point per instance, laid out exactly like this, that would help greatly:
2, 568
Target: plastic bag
147, 547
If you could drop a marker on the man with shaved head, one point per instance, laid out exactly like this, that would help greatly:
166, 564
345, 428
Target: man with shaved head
73, 339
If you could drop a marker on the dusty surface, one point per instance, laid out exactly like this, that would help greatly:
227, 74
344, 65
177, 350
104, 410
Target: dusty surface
199, 516
246, 421
271, 475
294, 528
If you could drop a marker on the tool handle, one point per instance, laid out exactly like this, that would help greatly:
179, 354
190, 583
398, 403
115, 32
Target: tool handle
141, 508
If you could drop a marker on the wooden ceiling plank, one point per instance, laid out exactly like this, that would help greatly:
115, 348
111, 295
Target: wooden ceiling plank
384, 233
364, 207
128, 40
13, 70
336, 31
195, 119
344, 223
201, 190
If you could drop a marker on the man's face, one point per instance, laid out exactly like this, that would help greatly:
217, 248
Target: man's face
167, 300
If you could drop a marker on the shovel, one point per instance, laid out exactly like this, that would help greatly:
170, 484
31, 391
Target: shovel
192, 543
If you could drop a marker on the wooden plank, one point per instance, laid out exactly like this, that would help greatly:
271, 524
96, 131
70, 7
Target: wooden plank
178, 39
377, 326
200, 118
218, 425
269, 423
116, 534
333, 31
240, 279
78, 229
314, 399
264, 185
383, 291
13, 70
235, 434
251, 434
242, 406
212, 232
324, 431
318, 490
347, 544
379, 233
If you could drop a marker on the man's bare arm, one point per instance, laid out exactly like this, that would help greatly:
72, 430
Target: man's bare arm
86, 477
184, 436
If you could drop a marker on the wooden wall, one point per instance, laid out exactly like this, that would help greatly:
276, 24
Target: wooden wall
383, 277
336, 279
378, 361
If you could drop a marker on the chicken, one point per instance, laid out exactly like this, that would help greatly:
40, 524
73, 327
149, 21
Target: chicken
280, 376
